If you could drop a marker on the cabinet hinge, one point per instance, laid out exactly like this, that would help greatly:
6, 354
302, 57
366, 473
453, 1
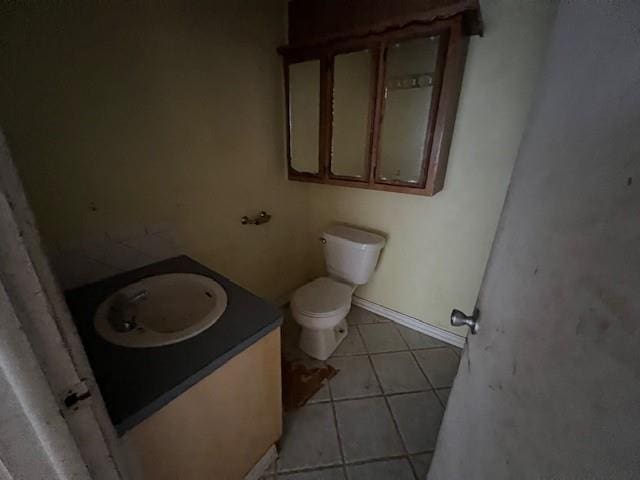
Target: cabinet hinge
76, 394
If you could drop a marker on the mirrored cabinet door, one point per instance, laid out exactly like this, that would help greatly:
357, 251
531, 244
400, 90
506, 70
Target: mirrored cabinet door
351, 111
408, 90
304, 116
378, 111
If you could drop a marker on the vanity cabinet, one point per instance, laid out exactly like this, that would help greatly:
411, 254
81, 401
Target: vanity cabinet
217, 429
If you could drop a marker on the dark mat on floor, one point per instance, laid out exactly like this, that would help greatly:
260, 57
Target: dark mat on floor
300, 383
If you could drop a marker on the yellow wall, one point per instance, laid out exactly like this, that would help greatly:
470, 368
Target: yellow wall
438, 247
121, 114
125, 114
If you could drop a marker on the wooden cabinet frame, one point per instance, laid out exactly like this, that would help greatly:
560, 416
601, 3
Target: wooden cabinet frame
446, 90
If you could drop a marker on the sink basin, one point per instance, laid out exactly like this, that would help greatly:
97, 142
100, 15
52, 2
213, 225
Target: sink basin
160, 310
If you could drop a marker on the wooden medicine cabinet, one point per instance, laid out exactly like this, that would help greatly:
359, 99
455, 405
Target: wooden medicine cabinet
375, 110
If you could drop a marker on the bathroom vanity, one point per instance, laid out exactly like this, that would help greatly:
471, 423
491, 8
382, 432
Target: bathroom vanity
205, 407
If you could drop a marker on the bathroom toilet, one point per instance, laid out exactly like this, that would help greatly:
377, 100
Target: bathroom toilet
320, 307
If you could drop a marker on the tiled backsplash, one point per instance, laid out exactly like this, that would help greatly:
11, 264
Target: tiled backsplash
102, 256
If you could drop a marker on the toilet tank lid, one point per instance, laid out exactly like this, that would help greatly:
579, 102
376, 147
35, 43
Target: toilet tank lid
359, 238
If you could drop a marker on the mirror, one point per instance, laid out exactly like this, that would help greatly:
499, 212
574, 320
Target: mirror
375, 112
351, 104
304, 116
408, 89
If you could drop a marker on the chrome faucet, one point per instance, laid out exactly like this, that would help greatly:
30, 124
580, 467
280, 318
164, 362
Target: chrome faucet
122, 316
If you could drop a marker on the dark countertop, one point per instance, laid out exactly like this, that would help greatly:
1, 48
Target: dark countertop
136, 382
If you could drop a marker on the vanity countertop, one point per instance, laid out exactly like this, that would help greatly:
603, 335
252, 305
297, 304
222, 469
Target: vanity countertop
136, 382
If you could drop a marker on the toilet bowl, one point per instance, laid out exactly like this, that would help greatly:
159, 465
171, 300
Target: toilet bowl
320, 307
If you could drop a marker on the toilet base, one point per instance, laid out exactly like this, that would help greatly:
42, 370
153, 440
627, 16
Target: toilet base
320, 344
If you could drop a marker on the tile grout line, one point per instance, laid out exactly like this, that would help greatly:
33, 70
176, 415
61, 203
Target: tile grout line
433, 388
335, 424
386, 402
437, 347
444, 344
386, 397
415, 359
378, 395
350, 328
444, 406
320, 468
397, 427
356, 328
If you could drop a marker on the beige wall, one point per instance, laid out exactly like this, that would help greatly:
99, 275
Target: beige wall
438, 247
122, 115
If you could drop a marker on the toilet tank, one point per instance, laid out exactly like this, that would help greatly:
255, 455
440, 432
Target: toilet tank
351, 254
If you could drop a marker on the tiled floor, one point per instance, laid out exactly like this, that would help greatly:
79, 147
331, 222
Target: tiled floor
378, 418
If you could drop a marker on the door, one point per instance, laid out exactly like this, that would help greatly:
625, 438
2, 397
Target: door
50, 402
549, 387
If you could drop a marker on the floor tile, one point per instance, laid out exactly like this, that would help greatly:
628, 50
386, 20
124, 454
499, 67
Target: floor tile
309, 438
396, 469
321, 395
354, 379
360, 316
352, 344
439, 364
421, 464
294, 354
335, 473
418, 340
398, 372
367, 430
382, 338
443, 395
418, 416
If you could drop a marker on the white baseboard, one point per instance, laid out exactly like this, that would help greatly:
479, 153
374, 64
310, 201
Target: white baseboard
405, 320
260, 468
410, 322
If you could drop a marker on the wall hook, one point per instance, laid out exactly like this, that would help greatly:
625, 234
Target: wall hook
262, 217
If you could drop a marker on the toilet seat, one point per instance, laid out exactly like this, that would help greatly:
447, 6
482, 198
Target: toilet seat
323, 297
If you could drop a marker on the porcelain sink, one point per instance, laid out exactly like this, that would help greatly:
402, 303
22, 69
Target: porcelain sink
160, 310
